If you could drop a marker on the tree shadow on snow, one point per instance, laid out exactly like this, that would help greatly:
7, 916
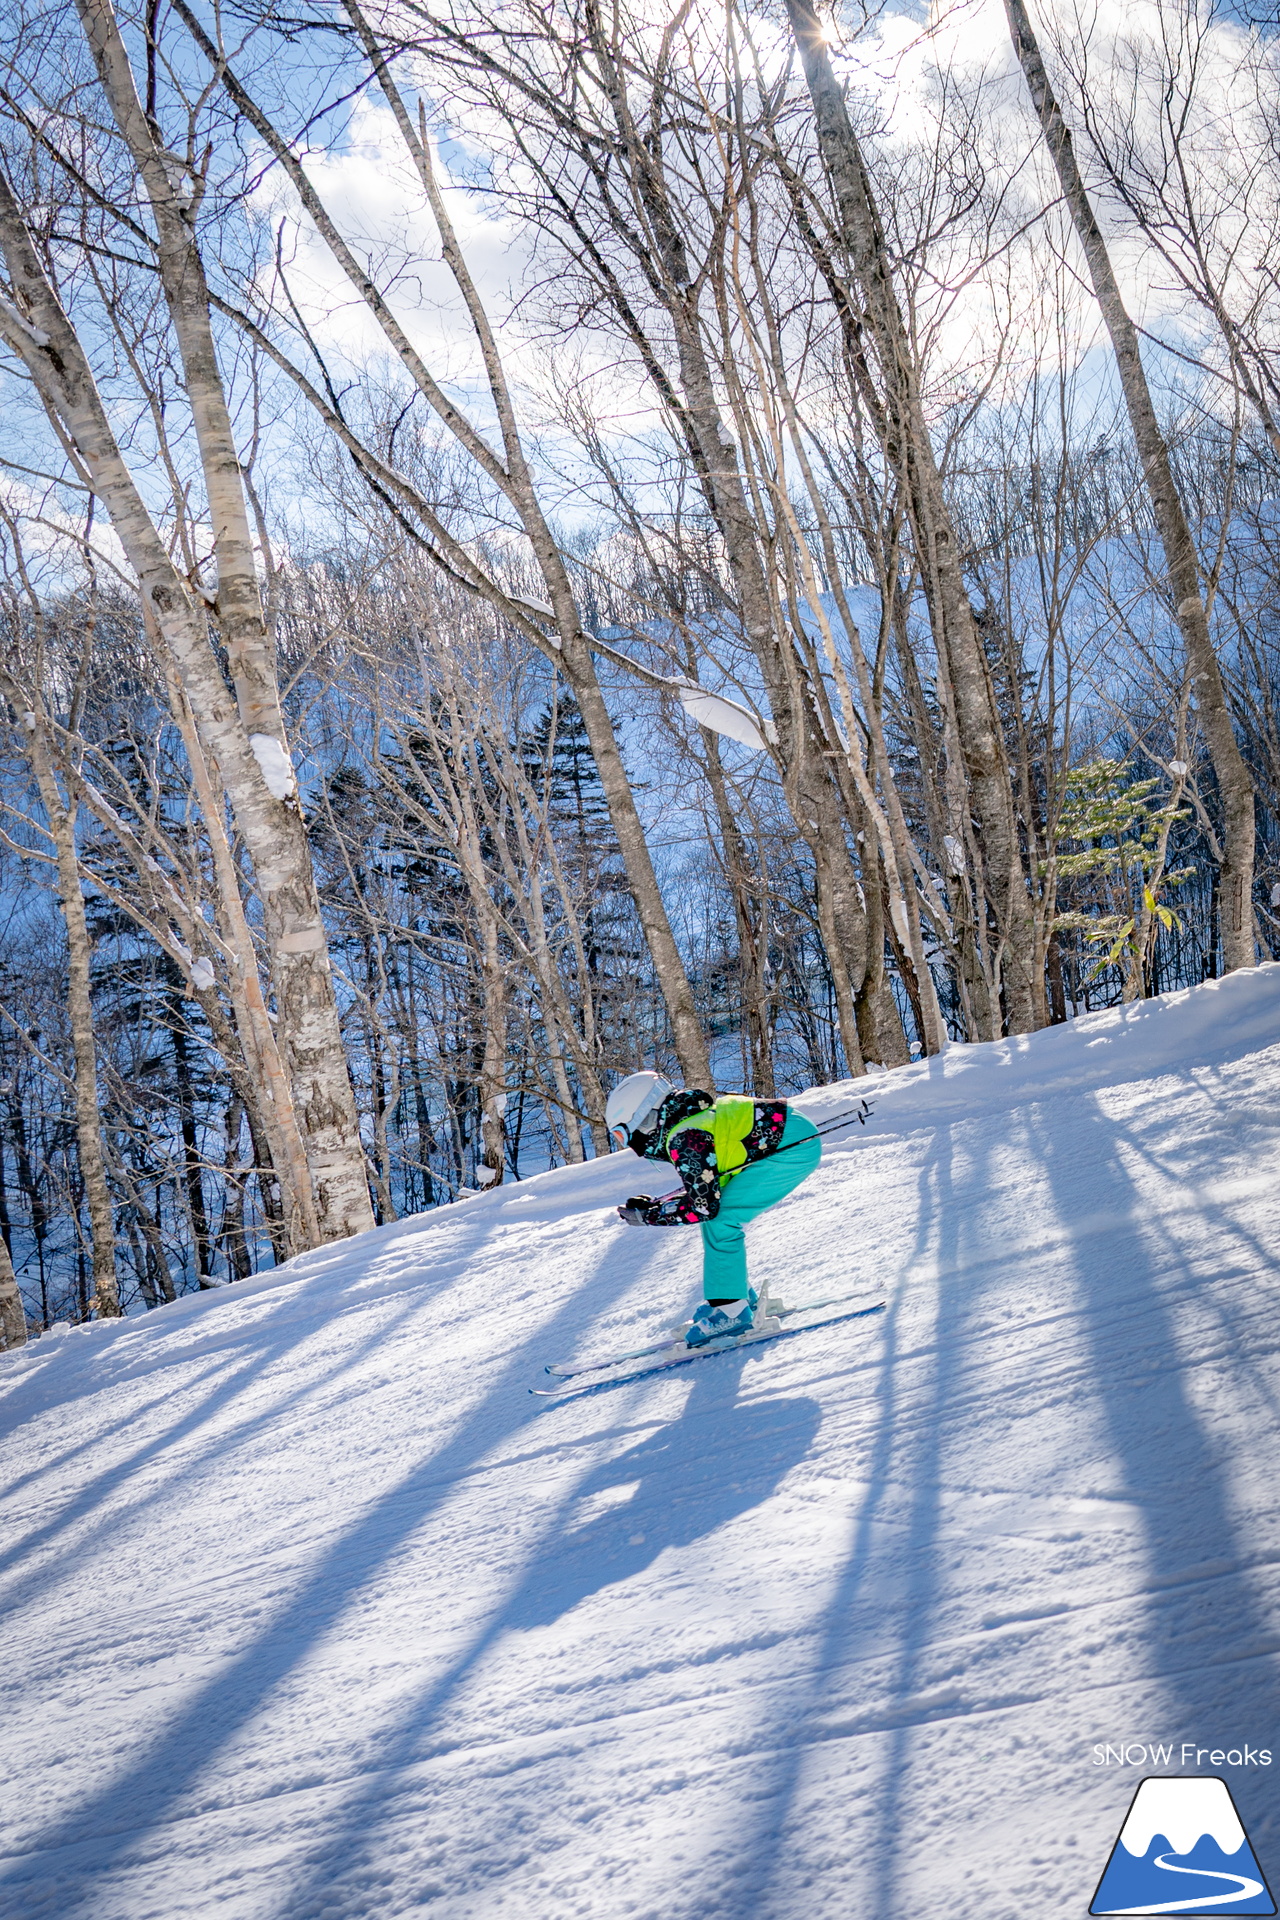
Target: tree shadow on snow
81, 1529
1156, 1298
159, 1779
717, 1460
674, 1487
1207, 1656
904, 1482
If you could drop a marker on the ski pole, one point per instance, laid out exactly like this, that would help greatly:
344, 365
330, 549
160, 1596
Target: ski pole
859, 1113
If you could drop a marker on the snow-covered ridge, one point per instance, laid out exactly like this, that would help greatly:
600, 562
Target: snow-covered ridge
1236, 1013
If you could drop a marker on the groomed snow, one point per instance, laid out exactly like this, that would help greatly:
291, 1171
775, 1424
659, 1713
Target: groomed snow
312, 1611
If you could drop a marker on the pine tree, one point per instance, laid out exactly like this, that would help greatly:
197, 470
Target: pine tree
1111, 843
559, 761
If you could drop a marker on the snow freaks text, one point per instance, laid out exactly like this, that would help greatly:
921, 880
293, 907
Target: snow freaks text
1135, 1754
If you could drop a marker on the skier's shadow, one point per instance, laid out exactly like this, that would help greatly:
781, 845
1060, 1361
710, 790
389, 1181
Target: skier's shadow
721, 1458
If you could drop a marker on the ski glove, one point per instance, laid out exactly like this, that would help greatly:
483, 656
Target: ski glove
634, 1211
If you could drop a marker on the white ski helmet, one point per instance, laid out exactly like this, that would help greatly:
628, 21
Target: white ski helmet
633, 1102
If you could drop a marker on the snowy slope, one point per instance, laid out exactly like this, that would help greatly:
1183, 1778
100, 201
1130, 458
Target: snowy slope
311, 1611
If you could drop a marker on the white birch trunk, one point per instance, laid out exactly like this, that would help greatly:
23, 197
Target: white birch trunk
1230, 769
272, 1103
13, 1318
909, 450
61, 818
253, 767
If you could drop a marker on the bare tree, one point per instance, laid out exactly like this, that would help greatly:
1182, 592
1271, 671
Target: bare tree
240, 727
13, 1318
896, 405
23, 690
511, 475
1235, 785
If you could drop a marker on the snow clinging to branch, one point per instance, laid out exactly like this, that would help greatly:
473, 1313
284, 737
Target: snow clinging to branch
277, 768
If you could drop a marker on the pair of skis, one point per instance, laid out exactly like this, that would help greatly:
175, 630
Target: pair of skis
770, 1324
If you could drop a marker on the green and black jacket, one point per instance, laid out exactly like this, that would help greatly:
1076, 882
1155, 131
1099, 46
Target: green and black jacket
708, 1141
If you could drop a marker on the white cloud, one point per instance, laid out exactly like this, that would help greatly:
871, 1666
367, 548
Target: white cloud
370, 188
52, 533
917, 82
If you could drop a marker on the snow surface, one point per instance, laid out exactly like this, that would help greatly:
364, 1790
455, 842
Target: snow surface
313, 1612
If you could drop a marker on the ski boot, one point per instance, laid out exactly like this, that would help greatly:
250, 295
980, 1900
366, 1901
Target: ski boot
715, 1323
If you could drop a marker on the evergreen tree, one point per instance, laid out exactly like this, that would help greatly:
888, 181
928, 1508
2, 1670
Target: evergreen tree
1112, 839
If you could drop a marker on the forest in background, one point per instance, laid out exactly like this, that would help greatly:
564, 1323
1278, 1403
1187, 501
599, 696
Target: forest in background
538, 540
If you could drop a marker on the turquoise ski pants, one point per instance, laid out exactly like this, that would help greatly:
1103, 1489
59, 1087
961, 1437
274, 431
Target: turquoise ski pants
724, 1246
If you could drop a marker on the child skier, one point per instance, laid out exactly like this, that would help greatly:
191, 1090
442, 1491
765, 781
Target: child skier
728, 1153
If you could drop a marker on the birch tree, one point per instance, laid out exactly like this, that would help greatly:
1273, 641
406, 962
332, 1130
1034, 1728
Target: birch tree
895, 404
556, 623
1235, 785
13, 1318
240, 726
24, 691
